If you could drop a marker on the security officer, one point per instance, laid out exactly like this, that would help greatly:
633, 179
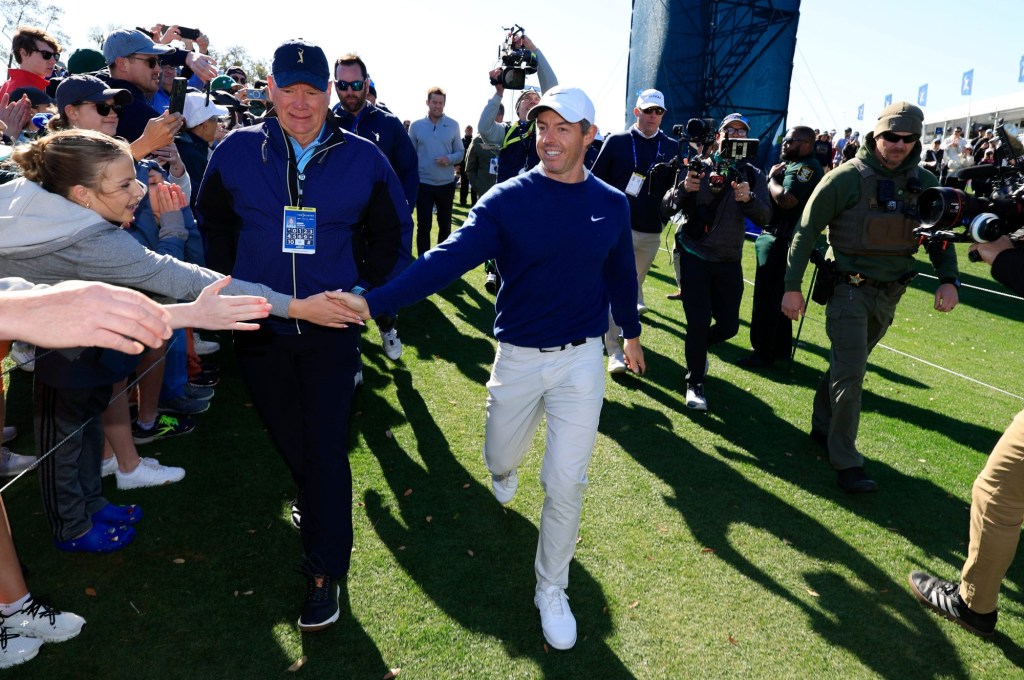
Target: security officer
869, 206
790, 184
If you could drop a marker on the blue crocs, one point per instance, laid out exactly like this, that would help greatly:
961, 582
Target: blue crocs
118, 515
102, 538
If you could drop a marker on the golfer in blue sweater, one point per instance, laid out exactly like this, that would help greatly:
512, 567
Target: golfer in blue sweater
562, 242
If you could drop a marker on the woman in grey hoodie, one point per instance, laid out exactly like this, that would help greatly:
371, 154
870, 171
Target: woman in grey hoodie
62, 221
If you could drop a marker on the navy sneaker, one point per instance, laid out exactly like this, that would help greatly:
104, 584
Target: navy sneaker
183, 406
321, 608
165, 426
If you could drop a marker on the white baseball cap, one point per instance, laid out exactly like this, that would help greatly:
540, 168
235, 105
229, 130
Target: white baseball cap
197, 111
649, 98
571, 103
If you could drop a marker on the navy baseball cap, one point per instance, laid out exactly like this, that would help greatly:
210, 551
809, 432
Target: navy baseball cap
84, 88
298, 61
125, 42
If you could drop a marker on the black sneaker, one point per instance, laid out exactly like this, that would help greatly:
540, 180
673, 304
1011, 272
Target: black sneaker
321, 608
755, 361
165, 426
944, 598
855, 480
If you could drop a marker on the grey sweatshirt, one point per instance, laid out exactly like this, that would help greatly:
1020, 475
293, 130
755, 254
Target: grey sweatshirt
46, 238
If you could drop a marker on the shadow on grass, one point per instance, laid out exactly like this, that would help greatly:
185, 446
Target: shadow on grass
464, 550
713, 497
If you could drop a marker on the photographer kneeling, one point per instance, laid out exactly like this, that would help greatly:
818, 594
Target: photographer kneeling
997, 500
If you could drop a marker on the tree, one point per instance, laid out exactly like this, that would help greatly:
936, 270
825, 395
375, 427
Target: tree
29, 13
236, 55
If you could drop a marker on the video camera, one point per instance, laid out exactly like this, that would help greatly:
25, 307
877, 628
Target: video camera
516, 63
949, 215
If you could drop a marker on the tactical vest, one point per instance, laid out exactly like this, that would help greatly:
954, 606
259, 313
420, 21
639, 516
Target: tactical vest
869, 228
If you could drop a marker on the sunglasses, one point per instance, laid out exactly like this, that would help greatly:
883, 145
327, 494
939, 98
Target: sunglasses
47, 55
150, 61
794, 140
355, 85
104, 108
893, 138
656, 110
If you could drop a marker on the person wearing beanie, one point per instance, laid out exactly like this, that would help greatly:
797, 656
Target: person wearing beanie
84, 60
869, 206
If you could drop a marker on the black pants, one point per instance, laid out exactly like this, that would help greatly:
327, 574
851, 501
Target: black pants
428, 197
466, 188
771, 331
302, 387
711, 291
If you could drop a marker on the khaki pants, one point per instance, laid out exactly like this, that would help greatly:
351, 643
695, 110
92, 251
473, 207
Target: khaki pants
645, 249
997, 510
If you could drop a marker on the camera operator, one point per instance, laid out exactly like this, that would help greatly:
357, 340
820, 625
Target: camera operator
997, 500
518, 141
629, 161
790, 184
870, 208
709, 246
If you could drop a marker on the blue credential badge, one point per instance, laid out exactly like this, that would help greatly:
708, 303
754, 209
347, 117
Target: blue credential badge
299, 230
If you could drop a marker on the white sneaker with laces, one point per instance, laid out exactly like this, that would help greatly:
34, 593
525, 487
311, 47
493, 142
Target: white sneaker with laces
24, 355
617, 363
12, 463
108, 466
15, 649
392, 344
37, 620
556, 619
641, 309
505, 486
149, 472
204, 347
10, 432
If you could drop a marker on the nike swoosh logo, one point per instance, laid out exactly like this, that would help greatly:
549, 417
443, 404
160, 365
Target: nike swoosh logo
596, 219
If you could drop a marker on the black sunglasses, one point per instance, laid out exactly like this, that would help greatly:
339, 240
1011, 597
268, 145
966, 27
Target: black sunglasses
104, 108
794, 140
48, 55
893, 138
150, 61
355, 85
656, 110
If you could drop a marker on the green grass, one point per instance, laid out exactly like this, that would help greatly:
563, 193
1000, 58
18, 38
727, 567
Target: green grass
712, 545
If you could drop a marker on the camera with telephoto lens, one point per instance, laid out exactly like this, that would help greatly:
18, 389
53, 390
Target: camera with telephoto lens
516, 64
949, 215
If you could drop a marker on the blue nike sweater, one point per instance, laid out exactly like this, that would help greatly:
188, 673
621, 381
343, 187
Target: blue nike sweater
565, 251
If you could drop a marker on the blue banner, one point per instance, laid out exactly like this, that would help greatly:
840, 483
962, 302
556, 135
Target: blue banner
967, 83
888, 100
860, 112
1020, 75
922, 95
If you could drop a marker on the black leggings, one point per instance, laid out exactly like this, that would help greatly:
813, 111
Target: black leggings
711, 291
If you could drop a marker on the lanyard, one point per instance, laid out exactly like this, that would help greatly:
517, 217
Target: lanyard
657, 153
509, 139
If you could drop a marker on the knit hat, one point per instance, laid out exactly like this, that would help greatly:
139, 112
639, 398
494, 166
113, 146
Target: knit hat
85, 60
900, 117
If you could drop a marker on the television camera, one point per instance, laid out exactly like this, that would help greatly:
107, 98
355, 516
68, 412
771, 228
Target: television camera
516, 62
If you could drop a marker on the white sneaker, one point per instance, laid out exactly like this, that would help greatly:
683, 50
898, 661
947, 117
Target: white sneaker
149, 472
24, 355
108, 466
10, 432
392, 344
12, 463
204, 347
556, 619
617, 363
15, 649
505, 486
36, 620
641, 309
695, 397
